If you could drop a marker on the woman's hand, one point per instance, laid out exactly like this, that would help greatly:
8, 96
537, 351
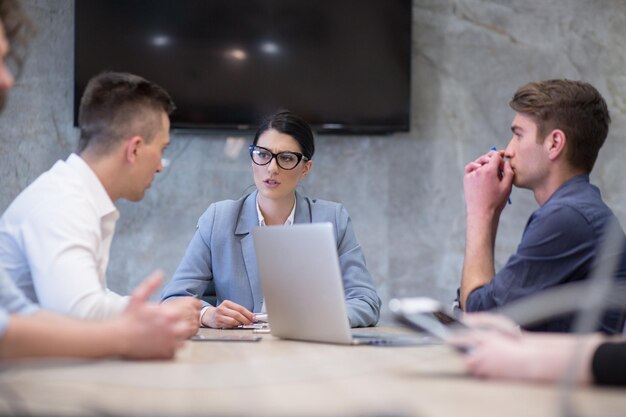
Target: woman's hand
227, 315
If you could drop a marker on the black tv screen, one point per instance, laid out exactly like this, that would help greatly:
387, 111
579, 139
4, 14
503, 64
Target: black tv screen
343, 65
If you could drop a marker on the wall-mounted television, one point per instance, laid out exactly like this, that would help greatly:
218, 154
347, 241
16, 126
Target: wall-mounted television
344, 65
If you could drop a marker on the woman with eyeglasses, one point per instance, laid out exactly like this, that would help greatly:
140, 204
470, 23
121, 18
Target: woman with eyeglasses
221, 253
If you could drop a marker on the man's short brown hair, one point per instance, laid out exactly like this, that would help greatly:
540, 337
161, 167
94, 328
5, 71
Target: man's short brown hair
575, 107
118, 105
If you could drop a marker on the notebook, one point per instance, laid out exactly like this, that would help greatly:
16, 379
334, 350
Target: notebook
301, 281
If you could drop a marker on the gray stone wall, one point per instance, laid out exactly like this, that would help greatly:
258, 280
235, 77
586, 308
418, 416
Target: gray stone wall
404, 191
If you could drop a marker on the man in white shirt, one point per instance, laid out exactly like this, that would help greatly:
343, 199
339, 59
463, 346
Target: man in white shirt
56, 235
142, 330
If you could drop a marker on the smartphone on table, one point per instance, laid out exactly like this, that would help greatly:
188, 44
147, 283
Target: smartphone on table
426, 315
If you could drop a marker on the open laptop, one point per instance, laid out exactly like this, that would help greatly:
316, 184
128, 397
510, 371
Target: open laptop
303, 289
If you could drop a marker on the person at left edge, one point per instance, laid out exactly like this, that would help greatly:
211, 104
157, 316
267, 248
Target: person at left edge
222, 248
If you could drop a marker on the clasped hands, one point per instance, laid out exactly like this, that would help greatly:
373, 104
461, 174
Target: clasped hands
487, 183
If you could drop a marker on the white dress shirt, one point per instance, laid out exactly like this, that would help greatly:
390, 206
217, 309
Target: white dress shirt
55, 239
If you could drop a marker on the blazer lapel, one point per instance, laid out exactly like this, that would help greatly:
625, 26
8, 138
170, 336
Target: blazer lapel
247, 220
303, 210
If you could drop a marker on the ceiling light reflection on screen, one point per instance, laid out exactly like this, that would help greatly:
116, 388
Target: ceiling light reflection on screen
270, 48
237, 54
160, 40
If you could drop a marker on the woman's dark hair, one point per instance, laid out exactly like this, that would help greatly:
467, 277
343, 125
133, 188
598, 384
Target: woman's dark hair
290, 124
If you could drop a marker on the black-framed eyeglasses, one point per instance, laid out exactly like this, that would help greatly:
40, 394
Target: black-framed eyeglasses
285, 160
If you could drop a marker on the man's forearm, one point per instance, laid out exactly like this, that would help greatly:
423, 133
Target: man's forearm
478, 269
45, 334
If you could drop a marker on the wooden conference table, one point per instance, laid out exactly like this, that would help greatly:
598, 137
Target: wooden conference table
276, 377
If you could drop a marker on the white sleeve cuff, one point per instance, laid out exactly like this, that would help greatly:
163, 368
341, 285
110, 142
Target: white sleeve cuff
204, 309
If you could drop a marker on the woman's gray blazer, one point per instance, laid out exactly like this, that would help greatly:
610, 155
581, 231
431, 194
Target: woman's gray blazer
222, 251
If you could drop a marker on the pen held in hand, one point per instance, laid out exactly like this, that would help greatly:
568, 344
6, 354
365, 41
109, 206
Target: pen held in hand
500, 173
260, 317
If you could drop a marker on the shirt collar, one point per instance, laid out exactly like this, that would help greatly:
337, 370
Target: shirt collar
568, 186
289, 220
101, 198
